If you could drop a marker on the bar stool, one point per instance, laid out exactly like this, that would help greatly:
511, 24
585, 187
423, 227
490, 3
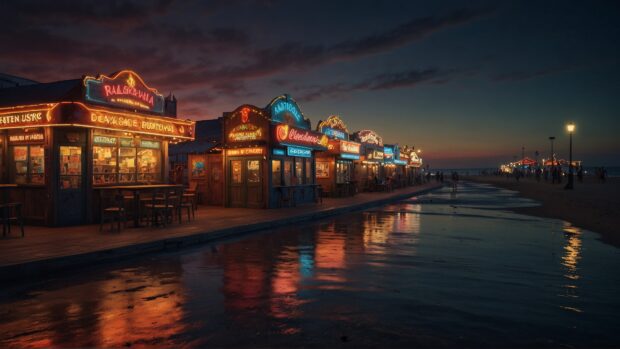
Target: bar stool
12, 212
115, 211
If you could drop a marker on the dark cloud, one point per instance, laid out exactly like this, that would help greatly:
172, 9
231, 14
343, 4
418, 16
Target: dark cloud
386, 81
112, 11
299, 55
528, 75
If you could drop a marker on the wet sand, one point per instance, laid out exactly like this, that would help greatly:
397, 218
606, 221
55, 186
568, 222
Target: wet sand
590, 205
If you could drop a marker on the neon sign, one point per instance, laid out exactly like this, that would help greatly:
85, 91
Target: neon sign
299, 152
30, 137
125, 89
288, 135
278, 151
349, 147
332, 132
104, 140
400, 162
370, 137
245, 132
284, 109
244, 151
28, 116
333, 122
350, 156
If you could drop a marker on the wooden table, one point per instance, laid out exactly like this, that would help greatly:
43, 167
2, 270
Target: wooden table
136, 189
5, 200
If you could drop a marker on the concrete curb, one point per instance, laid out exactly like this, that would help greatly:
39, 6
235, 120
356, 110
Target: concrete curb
52, 265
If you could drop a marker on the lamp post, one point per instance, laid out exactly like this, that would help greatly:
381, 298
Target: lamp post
570, 127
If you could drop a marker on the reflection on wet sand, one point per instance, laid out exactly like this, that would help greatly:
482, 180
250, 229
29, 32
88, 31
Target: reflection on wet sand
369, 277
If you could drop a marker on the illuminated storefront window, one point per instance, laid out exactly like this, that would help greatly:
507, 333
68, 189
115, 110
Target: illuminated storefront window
288, 172
125, 160
309, 171
70, 167
276, 172
253, 171
28, 164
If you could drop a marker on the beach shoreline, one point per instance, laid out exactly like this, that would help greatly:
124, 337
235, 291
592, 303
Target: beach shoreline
590, 205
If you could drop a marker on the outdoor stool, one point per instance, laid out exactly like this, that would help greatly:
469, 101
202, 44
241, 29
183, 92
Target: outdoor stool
13, 213
115, 212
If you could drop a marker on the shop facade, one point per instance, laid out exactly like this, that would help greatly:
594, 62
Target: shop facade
335, 168
369, 169
269, 155
64, 140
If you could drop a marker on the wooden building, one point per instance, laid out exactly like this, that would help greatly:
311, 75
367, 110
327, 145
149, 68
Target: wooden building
60, 141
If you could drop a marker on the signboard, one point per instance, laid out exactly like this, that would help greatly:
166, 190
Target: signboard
27, 137
375, 155
245, 133
337, 134
104, 140
350, 156
124, 89
14, 118
400, 162
127, 142
334, 127
289, 135
149, 144
299, 152
350, 147
277, 151
284, 110
370, 137
244, 151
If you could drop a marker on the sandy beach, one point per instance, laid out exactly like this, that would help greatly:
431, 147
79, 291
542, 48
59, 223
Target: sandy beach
590, 205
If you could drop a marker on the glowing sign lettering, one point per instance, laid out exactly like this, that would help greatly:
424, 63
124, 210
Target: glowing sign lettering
245, 132
104, 140
370, 137
400, 162
278, 152
36, 137
285, 110
289, 135
350, 156
124, 89
244, 151
25, 118
332, 132
299, 152
349, 147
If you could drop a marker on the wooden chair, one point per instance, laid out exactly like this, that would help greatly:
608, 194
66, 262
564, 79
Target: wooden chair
114, 210
160, 207
187, 203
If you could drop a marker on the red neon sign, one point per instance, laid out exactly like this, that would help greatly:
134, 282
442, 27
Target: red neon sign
291, 135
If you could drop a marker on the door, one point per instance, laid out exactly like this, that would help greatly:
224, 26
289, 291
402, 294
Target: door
216, 182
245, 189
70, 205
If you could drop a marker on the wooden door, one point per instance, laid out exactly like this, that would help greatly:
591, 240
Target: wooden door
216, 182
254, 182
71, 192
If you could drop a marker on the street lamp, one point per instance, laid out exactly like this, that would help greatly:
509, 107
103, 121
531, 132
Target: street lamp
570, 127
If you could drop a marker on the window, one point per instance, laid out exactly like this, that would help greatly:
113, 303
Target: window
70, 167
299, 171
276, 172
125, 160
253, 171
309, 175
235, 169
149, 165
126, 165
29, 162
343, 171
104, 164
288, 164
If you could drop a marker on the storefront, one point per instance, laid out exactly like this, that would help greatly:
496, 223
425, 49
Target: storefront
335, 167
369, 169
269, 155
68, 138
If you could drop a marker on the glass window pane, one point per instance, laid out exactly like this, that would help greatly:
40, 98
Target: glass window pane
37, 164
276, 172
299, 171
287, 172
253, 171
149, 165
20, 158
104, 165
70, 167
235, 168
127, 165
309, 175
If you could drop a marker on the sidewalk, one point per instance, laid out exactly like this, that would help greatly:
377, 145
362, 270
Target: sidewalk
45, 249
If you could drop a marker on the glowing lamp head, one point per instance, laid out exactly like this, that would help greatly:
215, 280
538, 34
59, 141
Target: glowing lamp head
570, 127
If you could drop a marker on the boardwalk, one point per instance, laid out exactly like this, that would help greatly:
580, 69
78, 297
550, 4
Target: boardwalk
47, 249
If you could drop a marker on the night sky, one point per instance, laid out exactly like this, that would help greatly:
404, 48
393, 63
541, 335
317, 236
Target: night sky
468, 85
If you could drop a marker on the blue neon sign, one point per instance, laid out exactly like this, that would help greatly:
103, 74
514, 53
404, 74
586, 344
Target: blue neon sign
349, 156
284, 109
278, 152
332, 132
299, 152
388, 150
400, 162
